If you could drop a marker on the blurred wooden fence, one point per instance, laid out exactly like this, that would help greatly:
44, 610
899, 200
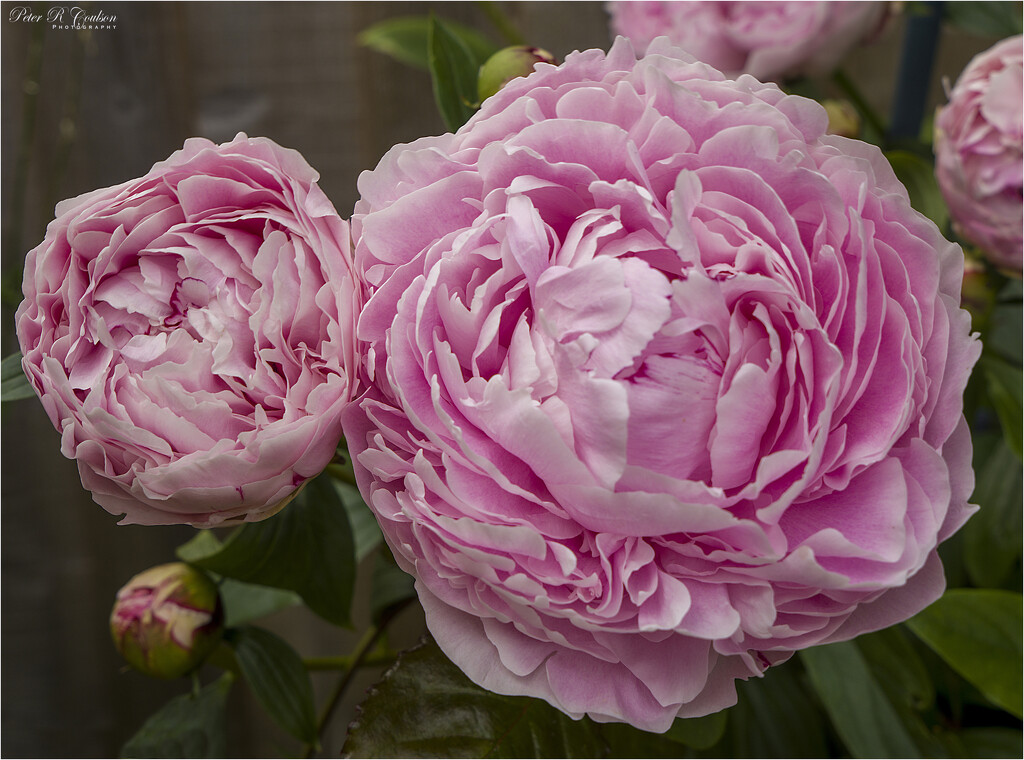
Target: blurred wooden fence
81, 110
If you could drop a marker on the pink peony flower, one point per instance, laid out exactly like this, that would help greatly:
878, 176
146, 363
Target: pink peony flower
666, 383
769, 40
978, 152
190, 333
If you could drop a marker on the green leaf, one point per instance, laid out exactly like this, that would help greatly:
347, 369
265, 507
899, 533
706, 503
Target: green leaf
918, 176
699, 733
14, 386
453, 71
987, 19
191, 725
1005, 390
202, 544
406, 39
278, 678
625, 741
391, 586
992, 741
307, 548
365, 528
244, 602
426, 707
775, 716
1004, 334
978, 633
897, 668
860, 711
895, 659
992, 537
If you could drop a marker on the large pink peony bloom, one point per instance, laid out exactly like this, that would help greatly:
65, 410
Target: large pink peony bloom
769, 40
666, 384
978, 154
190, 333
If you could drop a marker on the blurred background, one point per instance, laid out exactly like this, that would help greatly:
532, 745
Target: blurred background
83, 109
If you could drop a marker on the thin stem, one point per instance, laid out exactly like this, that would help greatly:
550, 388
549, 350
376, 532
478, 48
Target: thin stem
504, 26
854, 94
343, 662
342, 472
359, 655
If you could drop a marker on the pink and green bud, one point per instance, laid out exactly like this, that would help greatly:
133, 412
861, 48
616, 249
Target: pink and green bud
167, 620
507, 64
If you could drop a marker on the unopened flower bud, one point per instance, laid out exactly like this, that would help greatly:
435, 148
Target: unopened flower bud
167, 620
975, 294
843, 119
507, 64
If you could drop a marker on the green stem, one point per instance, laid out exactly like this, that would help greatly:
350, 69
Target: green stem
342, 472
504, 26
854, 94
358, 657
343, 662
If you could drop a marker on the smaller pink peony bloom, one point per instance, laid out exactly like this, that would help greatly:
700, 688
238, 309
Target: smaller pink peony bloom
769, 40
190, 333
167, 620
978, 152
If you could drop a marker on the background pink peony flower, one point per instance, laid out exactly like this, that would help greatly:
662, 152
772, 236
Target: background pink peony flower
190, 333
666, 384
978, 158
769, 40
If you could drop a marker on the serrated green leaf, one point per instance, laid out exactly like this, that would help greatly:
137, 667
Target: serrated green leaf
244, 602
426, 707
307, 548
14, 386
406, 39
860, 711
453, 71
277, 677
992, 537
1005, 390
988, 19
978, 633
918, 176
191, 725
391, 586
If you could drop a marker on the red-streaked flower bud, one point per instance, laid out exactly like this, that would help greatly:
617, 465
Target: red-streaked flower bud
507, 64
167, 620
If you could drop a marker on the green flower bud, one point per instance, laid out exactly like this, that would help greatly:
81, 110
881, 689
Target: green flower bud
167, 620
843, 119
975, 293
507, 64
